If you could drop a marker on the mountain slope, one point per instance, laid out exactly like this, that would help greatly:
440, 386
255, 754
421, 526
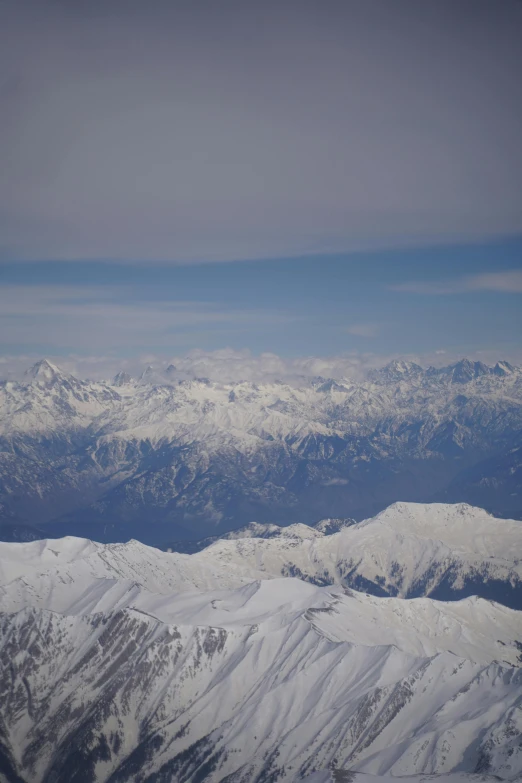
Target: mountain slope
269, 691
121, 663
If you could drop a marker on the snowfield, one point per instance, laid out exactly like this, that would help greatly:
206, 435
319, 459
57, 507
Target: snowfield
125, 663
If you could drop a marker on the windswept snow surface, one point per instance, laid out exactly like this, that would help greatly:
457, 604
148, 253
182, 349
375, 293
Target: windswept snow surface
122, 663
38, 566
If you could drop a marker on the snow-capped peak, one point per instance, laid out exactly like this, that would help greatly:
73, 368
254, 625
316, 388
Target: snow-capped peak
330, 526
121, 379
397, 370
464, 371
44, 372
503, 368
427, 514
403, 367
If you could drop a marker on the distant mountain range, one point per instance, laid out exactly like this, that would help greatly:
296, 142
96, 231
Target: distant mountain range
120, 663
164, 460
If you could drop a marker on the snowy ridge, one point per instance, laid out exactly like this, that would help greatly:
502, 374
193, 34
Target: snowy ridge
177, 702
123, 663
262, 530
36, 567
278, 697
410, 549
472, 628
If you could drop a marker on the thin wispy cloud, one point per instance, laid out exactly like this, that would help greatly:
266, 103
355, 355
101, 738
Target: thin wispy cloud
364, 330
509, 282
90, 318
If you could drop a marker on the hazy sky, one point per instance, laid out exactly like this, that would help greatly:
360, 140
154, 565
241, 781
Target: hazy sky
141, 139
436, 304
202, 130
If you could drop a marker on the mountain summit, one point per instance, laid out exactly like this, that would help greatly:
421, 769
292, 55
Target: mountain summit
463, 371
43, 372
398, 371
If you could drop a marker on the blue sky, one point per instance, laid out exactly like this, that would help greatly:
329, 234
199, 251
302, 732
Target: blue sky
459, 300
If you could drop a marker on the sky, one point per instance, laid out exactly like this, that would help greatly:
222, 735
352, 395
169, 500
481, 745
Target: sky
334, 179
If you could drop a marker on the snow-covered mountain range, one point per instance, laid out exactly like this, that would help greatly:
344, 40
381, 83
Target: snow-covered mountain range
409, 550
120, 662
162, 459
263, 530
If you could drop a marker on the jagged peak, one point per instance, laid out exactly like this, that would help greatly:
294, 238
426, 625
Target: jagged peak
466, 370
471, 365
463, 371
397, 370
332, 525
156, 376
122, 378
43, 371
503, 367
331, 385
400, 365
